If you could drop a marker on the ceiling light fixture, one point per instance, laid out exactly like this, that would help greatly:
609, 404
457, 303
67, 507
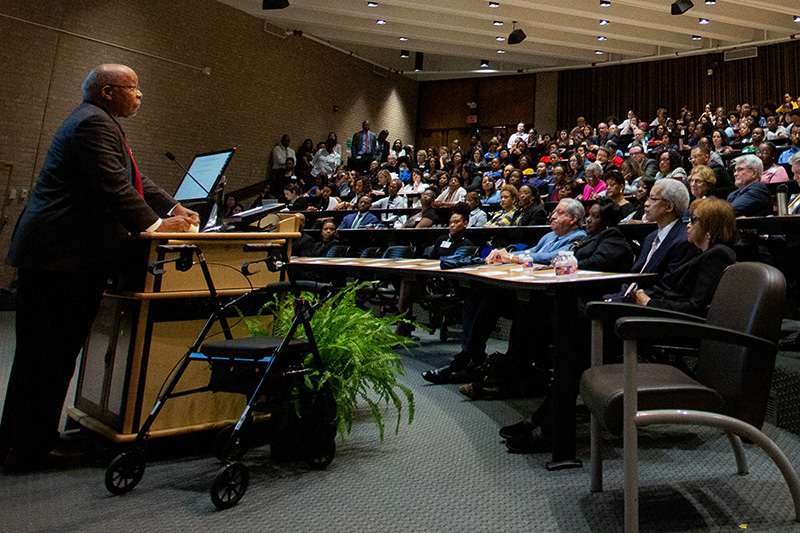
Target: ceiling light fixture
499, 38
274, 4
498, 22
679, 7
696, 37
404, 54
494, 4
704, 21
598, 52
484, 63
604, 23
372, 4
381, 22
516, 36
418, 59
711, 2
403, 38
501, 51
605, 3
602, 38
797, 18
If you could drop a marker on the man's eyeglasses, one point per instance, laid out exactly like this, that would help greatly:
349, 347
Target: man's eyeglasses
134, 87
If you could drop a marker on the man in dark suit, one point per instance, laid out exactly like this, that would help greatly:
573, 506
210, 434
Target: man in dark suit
88, 197
362, 218
363, 148
701, 155
752, 198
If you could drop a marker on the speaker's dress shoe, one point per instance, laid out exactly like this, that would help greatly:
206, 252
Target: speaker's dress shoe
536, 441
516, 431
438, 376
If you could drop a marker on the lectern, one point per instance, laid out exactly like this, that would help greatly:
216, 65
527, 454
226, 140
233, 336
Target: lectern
145, 326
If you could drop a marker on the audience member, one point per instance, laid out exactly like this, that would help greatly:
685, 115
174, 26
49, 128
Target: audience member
280, 154
701, 182
531, 207
489, 194
329, 239
794, 136
517, 136
615, 190
509, 200
752, 198
364, 146
294, 200
477, 216
670, 166
392, 200
701, 156
772, 173
594, 184
361, 219
427, 216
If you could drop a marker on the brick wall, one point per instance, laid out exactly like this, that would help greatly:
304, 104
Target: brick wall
260, 87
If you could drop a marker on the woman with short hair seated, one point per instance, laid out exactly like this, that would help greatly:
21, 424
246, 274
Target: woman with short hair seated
690, 287
604, 248
531, 207
427, 214
509, 200
701, 182
615, 188
329, 239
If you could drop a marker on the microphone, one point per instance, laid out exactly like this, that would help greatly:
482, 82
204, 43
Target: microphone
171, 157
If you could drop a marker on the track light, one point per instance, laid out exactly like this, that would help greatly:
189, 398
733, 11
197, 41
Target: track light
679, 7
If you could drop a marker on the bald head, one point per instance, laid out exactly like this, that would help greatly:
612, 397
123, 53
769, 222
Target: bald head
113, 87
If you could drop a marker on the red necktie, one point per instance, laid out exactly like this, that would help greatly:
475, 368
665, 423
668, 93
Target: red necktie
137, 177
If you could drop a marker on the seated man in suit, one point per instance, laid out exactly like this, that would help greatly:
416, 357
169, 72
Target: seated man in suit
482, 309
752, 199
67, 243
361, 219
701, 155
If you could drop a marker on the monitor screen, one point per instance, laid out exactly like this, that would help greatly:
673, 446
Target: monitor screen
207, 169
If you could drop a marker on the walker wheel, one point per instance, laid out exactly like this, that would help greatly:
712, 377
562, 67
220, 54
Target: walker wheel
124, 472
321, 455
225, 450
230, 485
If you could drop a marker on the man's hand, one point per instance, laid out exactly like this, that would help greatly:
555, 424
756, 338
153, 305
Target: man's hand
639, 297
188, 213
499, 256
176, 224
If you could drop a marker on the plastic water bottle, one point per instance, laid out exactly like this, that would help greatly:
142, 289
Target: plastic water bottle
566, 265
527, 263
783, 199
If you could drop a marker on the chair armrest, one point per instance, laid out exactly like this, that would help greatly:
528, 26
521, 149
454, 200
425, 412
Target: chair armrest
608, 311
636, 328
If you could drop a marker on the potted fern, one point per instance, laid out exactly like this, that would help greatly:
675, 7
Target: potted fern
357, 350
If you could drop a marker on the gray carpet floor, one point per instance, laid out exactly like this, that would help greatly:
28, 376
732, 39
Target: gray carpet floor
448, 471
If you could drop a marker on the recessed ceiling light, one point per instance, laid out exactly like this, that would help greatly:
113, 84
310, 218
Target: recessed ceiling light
797, 18
494, 4
501, 51
404, 53
403, 38
704, 21
604, 23
381, 21
711, 2
602, 38
499, 38
498, 22
598, 52
372, 4
696, 37
605, 3
484, 63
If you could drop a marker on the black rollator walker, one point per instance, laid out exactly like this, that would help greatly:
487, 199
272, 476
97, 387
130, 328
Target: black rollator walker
263, 368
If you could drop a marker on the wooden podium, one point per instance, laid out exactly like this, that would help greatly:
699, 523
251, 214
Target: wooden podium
145, 326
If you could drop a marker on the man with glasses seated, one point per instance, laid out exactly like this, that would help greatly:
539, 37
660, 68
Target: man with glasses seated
752, 198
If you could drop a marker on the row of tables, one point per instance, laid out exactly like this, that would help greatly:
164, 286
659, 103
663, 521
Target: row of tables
565, 297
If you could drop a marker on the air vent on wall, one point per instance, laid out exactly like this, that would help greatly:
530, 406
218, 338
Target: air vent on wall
382, 72
741, 53
275, 30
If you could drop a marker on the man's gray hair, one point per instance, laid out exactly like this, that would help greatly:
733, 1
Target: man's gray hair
575, 209
596, 168
674, 191
751, 161
97, 79
795, 159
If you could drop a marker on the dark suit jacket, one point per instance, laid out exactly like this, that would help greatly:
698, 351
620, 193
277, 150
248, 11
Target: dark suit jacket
608, 251
84, 201
673, 251
753, 200
690, 287
358, 143
721, 173
369, 219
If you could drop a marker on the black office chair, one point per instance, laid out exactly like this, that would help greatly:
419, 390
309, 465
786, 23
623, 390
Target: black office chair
338, 250
384, 293
442, 301
738, 345
369, 252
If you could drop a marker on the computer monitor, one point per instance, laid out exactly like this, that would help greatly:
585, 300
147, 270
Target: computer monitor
207, 169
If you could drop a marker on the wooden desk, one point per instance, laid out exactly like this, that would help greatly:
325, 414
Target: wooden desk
145, 325
565, 293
